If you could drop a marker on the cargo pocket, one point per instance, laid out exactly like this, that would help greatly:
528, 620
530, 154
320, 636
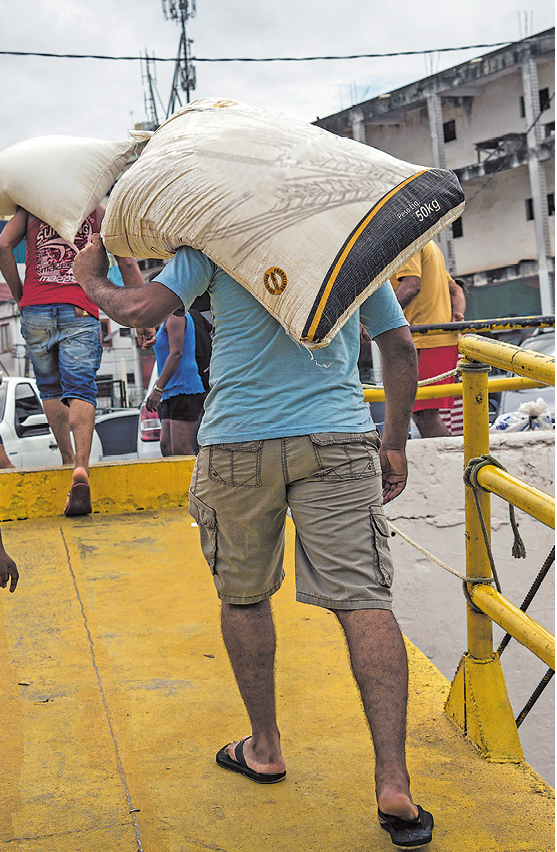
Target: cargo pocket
381, 555
207, 522
343, 456
238, 465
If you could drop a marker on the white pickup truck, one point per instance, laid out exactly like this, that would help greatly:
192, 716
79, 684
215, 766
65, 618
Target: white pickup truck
27, 437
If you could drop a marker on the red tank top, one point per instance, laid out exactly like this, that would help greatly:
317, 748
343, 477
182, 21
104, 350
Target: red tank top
49, 278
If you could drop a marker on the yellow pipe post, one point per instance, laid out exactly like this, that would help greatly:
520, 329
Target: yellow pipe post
476, 442
478, 702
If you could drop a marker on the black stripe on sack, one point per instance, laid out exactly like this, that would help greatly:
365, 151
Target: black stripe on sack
408, 214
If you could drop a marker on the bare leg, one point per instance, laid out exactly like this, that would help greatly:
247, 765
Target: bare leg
182, 438
380, 666
166, 446
58, 416
82, 423
249, 635
429, 422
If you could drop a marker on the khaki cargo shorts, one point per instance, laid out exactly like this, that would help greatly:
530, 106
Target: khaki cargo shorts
240, 494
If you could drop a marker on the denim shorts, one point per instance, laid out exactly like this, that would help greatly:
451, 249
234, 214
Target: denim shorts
240, 494
65, 351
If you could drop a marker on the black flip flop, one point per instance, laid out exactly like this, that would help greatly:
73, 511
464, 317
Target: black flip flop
240, 765
408, 834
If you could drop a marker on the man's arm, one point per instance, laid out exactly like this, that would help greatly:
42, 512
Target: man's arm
131, 273
137, 307
458, 302
400, 379
132, 277
407, 290
10, 238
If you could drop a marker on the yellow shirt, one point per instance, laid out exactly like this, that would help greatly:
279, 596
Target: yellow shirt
432, 305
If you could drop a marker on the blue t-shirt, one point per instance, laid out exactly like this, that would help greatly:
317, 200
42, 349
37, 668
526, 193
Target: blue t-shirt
186, 378
263, 383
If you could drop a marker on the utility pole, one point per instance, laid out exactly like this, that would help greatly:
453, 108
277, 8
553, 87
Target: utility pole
184, 72
435, 118
536, 171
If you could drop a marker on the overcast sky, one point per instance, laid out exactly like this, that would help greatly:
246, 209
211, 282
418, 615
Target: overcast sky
102, 99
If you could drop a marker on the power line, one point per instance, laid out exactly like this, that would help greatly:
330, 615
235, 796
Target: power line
255, 59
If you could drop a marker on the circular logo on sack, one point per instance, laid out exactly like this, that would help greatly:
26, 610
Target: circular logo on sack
275, 280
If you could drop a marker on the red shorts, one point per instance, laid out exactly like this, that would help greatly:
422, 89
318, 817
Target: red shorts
433, 362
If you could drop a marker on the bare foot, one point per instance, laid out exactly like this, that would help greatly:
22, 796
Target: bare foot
394, 802
80, 475
263, 760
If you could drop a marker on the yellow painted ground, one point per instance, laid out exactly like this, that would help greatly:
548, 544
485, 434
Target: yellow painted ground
118, 693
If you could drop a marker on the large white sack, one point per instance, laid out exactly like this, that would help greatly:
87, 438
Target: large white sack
309, 222
60, 179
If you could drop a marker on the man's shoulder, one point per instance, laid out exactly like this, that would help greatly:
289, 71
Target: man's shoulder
431, 250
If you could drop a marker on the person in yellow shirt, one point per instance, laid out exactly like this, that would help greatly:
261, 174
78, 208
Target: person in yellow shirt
428, 295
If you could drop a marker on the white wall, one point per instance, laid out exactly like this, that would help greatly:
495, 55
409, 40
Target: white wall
495, 230
429, 602
123, 348
408, 141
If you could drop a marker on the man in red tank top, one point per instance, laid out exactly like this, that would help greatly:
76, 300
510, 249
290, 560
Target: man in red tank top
61, 327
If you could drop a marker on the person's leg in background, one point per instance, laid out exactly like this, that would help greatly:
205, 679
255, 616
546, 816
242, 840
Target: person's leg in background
434, 362
182, 438
166, 446
5, 462
184, 411
58, 417
429, 423
79, 356
39, 327
82, 424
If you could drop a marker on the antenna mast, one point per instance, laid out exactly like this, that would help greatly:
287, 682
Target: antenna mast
148, 76
184, 72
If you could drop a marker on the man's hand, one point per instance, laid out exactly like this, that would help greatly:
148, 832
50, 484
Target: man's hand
458, 302
394, 469
8, 570
146, 337
91, 261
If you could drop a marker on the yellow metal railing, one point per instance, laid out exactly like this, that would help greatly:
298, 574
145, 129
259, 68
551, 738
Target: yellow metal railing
377, 394
478, 701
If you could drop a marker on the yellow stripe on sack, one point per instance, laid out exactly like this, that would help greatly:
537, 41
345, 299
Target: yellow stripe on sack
348, 248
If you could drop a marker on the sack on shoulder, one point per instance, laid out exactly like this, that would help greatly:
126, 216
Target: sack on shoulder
60, 179
308, 222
